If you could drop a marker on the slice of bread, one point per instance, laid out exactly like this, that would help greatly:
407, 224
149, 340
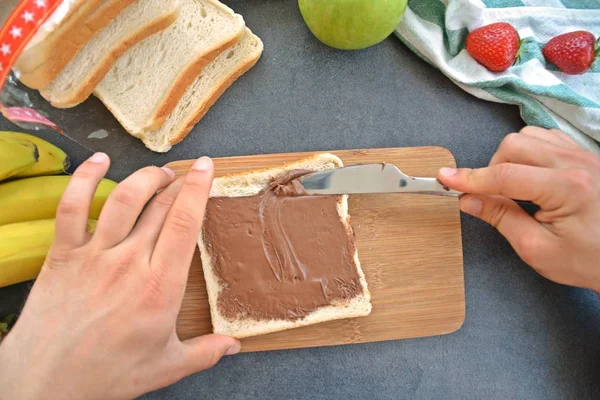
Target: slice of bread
147, 82
248, 184
84, 72
65, 19
215, 78
40, 63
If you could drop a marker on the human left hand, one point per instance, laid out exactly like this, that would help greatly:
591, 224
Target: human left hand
100, 319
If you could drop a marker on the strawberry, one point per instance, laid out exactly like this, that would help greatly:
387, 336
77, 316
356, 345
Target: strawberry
573, 53
495, 46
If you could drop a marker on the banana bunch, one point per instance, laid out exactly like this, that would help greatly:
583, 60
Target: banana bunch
30, 190
23, 155
23, 249
16, 157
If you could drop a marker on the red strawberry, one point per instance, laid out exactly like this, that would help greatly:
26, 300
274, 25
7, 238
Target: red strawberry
573, 53
494, 46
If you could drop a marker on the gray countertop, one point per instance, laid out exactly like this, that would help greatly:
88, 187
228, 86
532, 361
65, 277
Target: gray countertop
524, 337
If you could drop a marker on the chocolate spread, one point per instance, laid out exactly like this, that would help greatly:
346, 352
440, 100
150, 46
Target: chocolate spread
278, 254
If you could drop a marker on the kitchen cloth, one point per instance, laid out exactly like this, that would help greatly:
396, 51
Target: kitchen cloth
436, 31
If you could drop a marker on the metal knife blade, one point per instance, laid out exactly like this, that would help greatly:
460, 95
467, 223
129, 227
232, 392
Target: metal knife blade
371, 178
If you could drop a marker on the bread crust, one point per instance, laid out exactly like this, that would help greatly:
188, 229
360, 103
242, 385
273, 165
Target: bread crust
73, 98
195, 108
40, 65
216, 94
32, 58
188, 74
192, 71
273, 171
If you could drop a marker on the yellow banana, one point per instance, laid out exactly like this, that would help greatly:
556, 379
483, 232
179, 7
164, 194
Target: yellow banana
31, 199
16, 157
23, 249
51, 161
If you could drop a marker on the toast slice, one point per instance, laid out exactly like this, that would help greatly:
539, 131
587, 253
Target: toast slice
215, 78
249, 184
83, 73
147, 82
60, 38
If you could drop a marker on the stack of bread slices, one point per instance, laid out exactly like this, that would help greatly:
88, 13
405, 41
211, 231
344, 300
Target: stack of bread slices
157, 65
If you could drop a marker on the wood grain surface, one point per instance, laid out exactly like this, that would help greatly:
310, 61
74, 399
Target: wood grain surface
409, 246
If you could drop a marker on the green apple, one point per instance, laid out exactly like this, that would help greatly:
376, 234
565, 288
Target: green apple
352, 24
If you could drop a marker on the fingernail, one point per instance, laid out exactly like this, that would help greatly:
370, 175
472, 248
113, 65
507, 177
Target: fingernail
448, 171
98, 158
202, 164
168, 171
471, 205
234, 349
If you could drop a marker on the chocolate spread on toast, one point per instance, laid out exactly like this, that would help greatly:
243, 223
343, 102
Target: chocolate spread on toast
279, 254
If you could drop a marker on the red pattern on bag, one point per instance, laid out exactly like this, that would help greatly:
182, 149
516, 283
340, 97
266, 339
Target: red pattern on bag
18, 30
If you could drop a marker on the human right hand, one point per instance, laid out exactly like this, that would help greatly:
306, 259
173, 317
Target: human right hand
562, 240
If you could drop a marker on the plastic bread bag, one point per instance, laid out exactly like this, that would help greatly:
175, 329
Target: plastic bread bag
25, 24
97, 71
27, 28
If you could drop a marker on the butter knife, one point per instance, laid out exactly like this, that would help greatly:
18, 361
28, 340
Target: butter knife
371, 178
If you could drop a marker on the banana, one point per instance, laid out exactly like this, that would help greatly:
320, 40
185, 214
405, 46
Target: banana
23, 249
37, 198
51, 161
15, 157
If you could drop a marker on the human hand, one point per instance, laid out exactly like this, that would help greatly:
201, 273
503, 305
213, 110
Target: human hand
100, 319
562, 240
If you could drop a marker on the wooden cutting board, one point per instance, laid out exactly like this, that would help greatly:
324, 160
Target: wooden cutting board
409, 246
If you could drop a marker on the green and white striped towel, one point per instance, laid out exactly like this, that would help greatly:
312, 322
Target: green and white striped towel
436, 31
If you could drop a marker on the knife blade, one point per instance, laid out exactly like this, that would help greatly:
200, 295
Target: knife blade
371, 178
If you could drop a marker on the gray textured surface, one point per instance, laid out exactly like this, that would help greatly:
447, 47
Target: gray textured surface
523, 337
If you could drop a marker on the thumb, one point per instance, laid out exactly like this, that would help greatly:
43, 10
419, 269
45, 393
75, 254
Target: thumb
520, 229
204, 352
544, 186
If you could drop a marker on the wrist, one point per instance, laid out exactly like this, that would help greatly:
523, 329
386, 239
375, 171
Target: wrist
8, 378
18, 379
